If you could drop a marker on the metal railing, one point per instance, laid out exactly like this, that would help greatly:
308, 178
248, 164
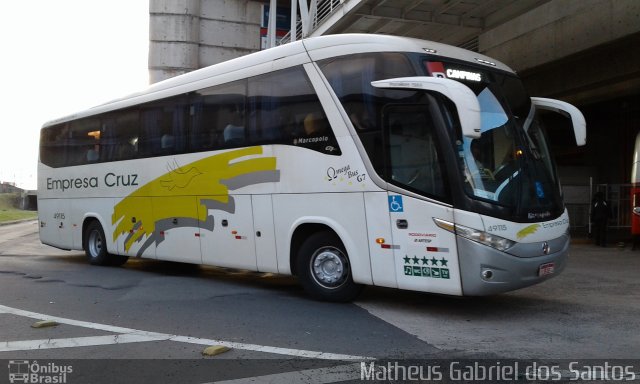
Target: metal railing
619, 198
319, 11
617, 195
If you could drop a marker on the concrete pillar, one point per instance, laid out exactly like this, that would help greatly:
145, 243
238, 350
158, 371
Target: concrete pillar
174, 34
228, 29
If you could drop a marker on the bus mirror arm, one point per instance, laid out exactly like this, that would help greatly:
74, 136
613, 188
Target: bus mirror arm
462, 96
577, 118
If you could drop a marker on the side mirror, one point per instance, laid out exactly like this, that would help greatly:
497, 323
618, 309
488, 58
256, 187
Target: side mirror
568, 110
462, 96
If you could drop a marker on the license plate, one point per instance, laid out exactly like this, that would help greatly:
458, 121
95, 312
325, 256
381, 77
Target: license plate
546, 269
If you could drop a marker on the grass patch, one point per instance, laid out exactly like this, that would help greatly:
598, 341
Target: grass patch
8, 210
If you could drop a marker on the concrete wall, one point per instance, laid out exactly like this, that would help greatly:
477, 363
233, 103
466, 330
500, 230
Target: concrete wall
191, 34
559, 29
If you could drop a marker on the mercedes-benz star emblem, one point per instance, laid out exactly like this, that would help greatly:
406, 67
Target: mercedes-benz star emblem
545, 248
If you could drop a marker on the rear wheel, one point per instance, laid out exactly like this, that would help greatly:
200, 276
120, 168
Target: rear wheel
324, 270
95, 247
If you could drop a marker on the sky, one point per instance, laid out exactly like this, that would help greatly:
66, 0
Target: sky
60, 57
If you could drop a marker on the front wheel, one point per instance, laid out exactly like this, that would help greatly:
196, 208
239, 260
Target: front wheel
324, 269
95, 247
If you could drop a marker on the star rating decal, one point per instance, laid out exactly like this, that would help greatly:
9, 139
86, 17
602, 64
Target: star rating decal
434, 262
425, 267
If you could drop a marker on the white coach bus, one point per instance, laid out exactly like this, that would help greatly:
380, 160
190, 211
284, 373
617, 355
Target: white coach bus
345, 160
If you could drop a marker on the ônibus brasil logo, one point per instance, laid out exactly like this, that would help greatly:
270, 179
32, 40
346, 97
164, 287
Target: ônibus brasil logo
24, 371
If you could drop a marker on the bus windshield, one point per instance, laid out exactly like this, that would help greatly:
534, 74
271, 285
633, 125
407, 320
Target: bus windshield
510, 164
508, 170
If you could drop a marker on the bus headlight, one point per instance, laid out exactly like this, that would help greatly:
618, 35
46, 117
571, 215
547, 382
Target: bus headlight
489, 239
497, 242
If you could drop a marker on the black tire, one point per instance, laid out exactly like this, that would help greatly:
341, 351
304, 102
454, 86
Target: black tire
95, 247
324, 269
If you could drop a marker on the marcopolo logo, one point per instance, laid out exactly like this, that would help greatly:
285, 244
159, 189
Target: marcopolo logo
25, 371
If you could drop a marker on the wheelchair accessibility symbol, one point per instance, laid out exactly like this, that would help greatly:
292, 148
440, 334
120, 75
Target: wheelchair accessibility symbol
395, 203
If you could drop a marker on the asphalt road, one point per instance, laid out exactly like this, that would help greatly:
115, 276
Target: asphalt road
150, 321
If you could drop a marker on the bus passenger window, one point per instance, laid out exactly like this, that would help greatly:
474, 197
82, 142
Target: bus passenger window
163, 127
350, 77
316, 134
284, 109
218, 117
84, 136
119, 135
92, 155
233, 133
167, 142
53, 145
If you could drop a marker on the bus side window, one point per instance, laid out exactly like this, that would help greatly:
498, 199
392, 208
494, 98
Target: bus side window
163, 127
232, 119
218, 117
284, 109
120, 136
83, 144
350, 77
268, 117
414, 160
53, 151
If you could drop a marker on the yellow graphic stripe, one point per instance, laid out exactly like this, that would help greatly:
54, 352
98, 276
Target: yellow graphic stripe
202, 178
528, 230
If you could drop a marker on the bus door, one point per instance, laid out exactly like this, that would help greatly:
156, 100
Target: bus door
227, 236
425, 254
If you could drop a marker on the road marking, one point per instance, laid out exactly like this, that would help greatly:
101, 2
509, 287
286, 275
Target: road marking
77, 323
28, 345
308, 376
269, 349
130, 335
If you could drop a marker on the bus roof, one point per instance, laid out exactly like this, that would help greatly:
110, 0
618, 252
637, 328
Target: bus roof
295, 53
336, 45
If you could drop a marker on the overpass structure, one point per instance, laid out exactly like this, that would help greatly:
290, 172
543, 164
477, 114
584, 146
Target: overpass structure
455, 22
581, 51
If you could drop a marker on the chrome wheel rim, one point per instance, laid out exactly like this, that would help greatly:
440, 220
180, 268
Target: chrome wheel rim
95, 244
329, 267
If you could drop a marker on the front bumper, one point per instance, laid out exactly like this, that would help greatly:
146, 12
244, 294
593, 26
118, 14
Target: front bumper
508, 272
